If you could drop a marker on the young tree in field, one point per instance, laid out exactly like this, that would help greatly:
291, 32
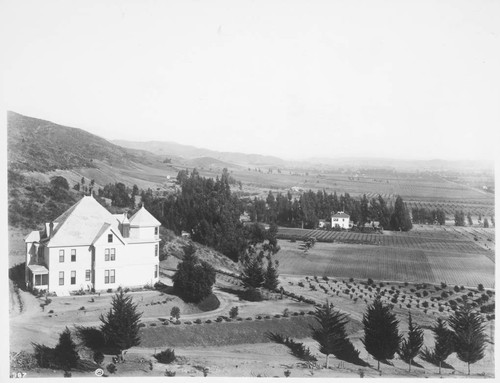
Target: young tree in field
469, 336
493, 221
193, 279
486, 224
120, 326
331, 335
410, 347
65, 351
381, 338
175, 312
443, 344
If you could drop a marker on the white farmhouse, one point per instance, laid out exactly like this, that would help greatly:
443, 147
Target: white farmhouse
88, 248
340, 219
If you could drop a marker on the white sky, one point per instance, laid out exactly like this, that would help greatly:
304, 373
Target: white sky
404, 79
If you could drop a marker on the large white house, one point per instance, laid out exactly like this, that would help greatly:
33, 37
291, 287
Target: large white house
340, 219
87, 248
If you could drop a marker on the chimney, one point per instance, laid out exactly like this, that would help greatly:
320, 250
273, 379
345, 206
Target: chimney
125, 226
51, 229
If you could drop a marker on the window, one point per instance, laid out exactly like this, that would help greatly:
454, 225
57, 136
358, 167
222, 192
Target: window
87, 275
156, 230
109, 276
156, 250
156, 271
106, 254
73, 277
41, 279
61, 278
61, 256
73, 255
110, 238
112, 254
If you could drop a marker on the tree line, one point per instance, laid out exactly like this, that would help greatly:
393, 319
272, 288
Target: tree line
306, 210
463, 333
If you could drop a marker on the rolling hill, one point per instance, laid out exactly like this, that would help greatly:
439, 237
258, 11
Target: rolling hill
42, 146
167, 148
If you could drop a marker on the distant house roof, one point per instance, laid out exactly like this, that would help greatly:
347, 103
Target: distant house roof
340, 214
143, 218
81, 223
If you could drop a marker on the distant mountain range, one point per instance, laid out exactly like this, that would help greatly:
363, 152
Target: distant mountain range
167, 148
42, 146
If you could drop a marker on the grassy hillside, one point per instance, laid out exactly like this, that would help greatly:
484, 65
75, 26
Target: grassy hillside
39, 145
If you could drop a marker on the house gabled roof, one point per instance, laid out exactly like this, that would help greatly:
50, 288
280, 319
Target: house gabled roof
104, 229
340, 214
80, 224
34, 236
143, 218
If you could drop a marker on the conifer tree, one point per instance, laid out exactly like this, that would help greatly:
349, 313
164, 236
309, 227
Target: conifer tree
331, 335
411, 346
443, 338
381, 338
271, 276
469, 336
120, 326
65, 351
253, 269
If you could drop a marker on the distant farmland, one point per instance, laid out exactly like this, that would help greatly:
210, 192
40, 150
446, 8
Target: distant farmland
388, 263
448, 239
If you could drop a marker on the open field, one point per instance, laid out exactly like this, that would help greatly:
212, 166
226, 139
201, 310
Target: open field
432, 238
388, 263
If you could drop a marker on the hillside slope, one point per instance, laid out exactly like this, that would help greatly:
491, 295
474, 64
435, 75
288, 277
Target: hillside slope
167, 148
39, 145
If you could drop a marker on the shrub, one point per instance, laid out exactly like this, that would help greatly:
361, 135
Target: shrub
425, 293
111, 368
301, 284
252, 295
175, 312
233, 313
109, 291
489, 292
444, 295
443, 285
441, 309
188, 322
456, 289
208, 321
197, 321
194, 278
249, 318
480, 287
209, 303
351, 280
166, 357
488, 308
169, 373
98, 357
153, 324
425, 304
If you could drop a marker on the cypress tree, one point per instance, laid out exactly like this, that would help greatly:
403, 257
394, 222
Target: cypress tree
120, 325
469, 336
331, 335
271, 275
65, 351
400, 218
253, 272
381, 338
443, 342
411, 346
